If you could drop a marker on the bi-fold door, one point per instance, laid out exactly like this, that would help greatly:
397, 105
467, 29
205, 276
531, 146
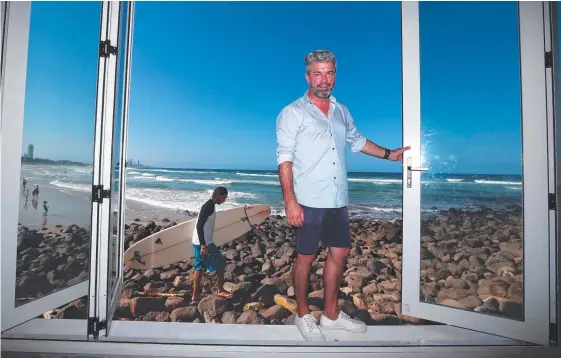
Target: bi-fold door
64, 79
476, 231
475, 183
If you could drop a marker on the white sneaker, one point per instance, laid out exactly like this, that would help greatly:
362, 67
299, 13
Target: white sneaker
343, 322
308, 327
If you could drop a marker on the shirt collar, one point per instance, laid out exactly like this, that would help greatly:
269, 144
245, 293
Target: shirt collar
306, 99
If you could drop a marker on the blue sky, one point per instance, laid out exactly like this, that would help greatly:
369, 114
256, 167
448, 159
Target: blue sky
210, 78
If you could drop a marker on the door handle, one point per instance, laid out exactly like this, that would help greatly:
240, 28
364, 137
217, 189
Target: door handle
417, 169
411, 168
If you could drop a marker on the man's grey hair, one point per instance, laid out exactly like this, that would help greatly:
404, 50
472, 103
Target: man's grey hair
320, 56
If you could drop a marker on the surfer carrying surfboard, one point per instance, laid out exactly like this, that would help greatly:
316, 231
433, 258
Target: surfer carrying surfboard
207, 256
312, 134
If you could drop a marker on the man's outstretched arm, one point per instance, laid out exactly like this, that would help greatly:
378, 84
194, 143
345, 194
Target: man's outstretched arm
359, 143
374, 150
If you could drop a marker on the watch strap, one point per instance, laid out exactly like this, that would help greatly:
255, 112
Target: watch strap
387, 154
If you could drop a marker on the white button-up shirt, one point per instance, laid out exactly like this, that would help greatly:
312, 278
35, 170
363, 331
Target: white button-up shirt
316, 146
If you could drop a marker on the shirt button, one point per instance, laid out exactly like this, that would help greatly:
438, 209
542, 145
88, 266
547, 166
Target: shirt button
333, 163
333, 148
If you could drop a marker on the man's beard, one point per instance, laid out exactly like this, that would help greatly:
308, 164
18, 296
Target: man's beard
322, 93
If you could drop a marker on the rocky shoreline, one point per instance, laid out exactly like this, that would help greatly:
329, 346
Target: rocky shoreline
50, 259
469, 259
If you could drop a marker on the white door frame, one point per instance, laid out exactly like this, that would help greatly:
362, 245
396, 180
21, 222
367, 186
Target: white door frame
103, 154
13, 86
409, 93
124, 48
551, 13
535, 327
13, 99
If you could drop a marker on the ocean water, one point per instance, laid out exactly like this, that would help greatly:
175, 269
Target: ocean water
371, 195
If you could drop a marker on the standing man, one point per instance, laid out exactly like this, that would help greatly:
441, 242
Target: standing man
312, 133
207, 255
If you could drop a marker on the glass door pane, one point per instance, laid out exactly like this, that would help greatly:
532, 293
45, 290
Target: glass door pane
472, 253
469, 194
116, 222
48, 135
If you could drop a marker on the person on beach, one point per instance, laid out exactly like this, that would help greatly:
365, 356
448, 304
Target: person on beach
207, 255
26, 205
312, 133
36, 191
24, 183
45, 208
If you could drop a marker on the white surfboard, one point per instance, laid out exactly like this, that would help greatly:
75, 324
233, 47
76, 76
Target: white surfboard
174, 244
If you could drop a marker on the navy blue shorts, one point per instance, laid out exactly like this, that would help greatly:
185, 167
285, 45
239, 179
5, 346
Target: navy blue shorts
212, 261
330, 226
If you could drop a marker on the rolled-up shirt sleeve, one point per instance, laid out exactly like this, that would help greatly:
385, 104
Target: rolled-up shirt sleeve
287, 129
353, 136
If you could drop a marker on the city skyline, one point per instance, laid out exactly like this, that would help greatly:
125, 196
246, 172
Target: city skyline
206, 98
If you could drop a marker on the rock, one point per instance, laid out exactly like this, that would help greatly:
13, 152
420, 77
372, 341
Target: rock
213, 306
250, 317
169, 275
286, 302
152, 274
451, 302
157, 317
229, 317
515, 292
175, 302
512, 309
370, 289
32, 285
140, 306
470, 302
276, 312
253, 306
184, 314
452, 282
280, 285
266, 293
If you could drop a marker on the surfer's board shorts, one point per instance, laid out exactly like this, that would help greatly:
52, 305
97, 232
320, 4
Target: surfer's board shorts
212, 261
328, 225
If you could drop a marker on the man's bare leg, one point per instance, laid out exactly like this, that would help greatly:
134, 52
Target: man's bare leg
220, 284
196, 286
332, 276
300, 277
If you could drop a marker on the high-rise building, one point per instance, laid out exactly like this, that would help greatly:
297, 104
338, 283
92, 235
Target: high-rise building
30, 151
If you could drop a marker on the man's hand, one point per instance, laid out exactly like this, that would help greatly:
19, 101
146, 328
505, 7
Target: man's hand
294, 214
397, 154
203, 250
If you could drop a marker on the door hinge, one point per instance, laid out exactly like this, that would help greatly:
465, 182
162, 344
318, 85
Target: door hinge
98, 193
106, 49
552, 201
548, 59
94, 326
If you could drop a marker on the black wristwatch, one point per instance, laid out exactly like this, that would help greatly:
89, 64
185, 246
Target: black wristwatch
387, 155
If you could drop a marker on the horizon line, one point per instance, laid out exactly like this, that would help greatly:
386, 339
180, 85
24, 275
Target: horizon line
348, 171
149, 166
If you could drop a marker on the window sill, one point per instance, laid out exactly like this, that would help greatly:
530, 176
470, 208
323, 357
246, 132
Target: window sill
256, 335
